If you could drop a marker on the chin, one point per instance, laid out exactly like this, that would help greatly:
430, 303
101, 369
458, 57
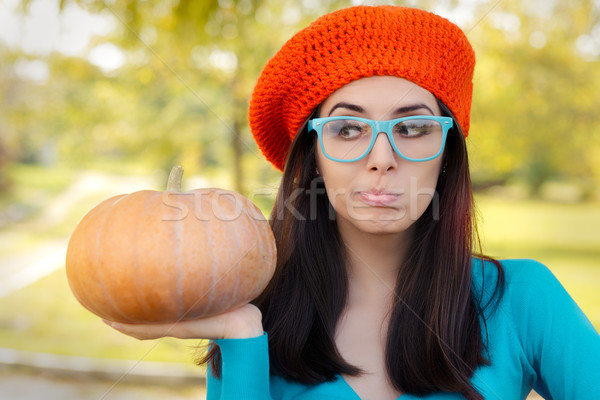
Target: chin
379, 226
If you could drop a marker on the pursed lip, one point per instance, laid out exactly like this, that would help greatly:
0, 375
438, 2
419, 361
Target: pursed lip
378, 198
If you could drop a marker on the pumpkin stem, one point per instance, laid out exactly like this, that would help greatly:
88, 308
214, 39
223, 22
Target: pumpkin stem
174, 182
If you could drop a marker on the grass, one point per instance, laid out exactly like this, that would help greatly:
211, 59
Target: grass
45, 316
563, 236
35, 177
30, 189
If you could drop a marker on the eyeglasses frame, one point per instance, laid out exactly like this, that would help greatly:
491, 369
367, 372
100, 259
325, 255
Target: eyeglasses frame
386, 127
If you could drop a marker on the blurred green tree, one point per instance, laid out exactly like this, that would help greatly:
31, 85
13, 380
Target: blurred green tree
181, 93
196, 63
536, 92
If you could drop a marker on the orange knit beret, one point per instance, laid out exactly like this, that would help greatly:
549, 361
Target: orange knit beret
354, 43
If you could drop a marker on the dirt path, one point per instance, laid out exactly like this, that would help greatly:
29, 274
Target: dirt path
36, 386
19, 268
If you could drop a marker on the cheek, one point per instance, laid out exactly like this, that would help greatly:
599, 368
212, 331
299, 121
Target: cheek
425, 176
421, 187
337, 186
338, 180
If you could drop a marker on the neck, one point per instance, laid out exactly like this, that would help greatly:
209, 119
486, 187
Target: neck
373, 262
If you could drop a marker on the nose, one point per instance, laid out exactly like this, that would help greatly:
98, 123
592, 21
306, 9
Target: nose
382, 156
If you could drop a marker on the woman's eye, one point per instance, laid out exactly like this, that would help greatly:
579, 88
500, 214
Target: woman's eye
350, 131
417, 128
401, 129
411, 130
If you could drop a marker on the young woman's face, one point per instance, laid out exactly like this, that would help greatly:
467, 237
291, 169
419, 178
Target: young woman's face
381, 193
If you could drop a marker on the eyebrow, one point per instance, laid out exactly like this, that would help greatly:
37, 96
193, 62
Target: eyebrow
401, 110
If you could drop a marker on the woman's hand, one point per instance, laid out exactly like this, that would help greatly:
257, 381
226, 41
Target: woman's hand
239, 323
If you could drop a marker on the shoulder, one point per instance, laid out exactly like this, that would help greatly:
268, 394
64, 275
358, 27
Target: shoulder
536, 318
514, 283
517, 271
529, 294
513, 273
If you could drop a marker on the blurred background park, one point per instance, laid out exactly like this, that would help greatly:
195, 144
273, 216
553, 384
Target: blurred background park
102, 97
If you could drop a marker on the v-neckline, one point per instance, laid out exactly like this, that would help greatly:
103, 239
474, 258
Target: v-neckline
351, 390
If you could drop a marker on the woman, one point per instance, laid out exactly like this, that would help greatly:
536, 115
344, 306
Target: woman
378, 291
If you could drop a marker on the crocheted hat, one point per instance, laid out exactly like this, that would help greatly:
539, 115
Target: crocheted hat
354, 43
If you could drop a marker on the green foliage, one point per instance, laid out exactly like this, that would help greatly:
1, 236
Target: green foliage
535, 102
181, 95
562, 236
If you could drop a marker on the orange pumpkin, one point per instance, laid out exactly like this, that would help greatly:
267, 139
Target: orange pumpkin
167, 256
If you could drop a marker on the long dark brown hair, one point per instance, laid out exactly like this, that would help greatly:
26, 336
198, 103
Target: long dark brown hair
435, 335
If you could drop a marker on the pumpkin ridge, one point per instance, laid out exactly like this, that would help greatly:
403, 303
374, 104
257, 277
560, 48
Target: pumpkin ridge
141, 301
236, 265
259, 239
265, 238
238, 276
217, 281
78, 280
98, 251
211, 246
179, 238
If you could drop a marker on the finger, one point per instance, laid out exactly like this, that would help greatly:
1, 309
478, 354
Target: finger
241, 322
141, 332
208, 328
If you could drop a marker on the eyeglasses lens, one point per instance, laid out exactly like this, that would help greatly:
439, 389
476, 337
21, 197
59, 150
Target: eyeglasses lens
415, 138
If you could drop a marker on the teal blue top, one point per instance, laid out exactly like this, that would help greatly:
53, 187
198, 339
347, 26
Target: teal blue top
537, 338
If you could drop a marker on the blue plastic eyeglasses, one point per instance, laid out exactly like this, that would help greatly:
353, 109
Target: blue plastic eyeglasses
414, 138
